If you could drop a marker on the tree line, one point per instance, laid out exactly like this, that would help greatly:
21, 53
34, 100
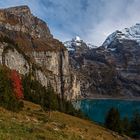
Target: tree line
46, 97
125, 126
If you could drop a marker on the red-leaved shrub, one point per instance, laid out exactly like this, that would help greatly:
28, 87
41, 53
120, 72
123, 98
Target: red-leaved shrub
17, 84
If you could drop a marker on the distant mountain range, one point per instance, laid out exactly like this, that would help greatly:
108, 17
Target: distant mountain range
132, 33
111, 70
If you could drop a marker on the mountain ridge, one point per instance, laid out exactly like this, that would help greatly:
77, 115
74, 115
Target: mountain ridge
132, 33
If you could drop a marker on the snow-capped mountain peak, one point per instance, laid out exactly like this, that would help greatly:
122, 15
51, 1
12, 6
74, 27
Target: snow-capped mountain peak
74, 43
132, 33
77, 42
77, 39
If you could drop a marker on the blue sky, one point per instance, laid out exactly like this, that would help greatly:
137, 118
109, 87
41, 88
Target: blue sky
92, 20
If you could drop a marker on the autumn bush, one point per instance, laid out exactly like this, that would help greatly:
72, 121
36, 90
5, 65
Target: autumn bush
17, 84
8, 99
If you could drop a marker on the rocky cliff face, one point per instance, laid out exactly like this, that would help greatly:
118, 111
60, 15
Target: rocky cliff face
37, 51
20, 19
112, 70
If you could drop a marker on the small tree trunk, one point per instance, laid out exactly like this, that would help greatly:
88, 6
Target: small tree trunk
49, 114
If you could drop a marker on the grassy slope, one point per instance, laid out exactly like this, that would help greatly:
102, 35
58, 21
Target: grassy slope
32, 124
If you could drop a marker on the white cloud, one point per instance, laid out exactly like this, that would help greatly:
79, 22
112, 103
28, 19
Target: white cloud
116, 15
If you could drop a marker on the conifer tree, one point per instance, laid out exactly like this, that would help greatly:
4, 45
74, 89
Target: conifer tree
113, 120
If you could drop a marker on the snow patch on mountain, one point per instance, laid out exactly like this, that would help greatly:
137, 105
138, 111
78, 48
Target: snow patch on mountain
132, 33
77, 42
91, 46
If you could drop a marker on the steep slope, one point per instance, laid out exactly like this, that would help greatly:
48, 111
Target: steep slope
34, 123
111, 70
34, 50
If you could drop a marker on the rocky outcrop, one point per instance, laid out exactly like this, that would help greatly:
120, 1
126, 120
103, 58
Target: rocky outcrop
20, 19
14, 60
35, 50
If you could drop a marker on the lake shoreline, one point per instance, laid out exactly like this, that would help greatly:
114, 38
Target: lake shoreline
111, 98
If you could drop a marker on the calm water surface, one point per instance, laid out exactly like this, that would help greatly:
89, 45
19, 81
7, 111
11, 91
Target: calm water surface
96, 110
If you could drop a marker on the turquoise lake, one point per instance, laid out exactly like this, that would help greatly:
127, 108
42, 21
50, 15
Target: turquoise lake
96, 110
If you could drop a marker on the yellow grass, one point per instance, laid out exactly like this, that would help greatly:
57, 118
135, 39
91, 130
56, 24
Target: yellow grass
34, 124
